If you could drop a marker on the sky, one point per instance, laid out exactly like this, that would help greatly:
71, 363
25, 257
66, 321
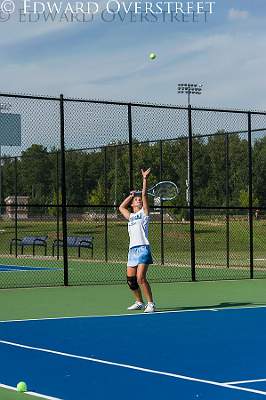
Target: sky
109, 59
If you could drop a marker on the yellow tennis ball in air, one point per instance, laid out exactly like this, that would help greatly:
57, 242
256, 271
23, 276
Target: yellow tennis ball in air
22, 387
152, 56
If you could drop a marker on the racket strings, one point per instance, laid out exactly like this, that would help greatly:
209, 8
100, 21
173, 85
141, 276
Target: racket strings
165, 190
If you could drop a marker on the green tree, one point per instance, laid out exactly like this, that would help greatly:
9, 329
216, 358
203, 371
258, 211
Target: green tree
97, 195
34, 174
56, 201
259, 171
8, 177
238, 170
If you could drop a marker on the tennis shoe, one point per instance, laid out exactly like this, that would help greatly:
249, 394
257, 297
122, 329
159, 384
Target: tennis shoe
136, 306
150, 307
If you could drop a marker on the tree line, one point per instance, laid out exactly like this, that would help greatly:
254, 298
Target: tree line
101, 176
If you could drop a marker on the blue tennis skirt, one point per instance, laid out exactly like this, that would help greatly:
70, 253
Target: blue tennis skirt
139, 255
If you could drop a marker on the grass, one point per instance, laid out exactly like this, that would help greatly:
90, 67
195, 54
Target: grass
6, 394
210, 243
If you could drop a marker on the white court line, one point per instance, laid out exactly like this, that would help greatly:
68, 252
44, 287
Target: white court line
134, 315
30, 393
249, 381
133, 367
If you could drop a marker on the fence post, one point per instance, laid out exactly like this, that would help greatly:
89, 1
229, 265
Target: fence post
57, 205
227, 200
16, 204
130, 150
63, 189
105, 209
191, 194
161, 203
250, 191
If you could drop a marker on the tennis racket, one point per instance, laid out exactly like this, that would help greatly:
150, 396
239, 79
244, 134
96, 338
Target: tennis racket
165, 191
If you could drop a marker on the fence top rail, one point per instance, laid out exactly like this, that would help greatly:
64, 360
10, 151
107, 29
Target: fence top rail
28, 96
132, 104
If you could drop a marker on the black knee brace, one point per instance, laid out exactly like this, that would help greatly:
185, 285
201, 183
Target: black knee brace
132, 282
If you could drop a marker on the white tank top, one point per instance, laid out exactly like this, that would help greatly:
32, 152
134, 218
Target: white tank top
138, 229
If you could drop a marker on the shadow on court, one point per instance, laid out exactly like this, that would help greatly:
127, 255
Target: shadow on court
220, 305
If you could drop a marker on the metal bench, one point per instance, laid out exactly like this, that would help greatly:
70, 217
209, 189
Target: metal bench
76, 241
30, 241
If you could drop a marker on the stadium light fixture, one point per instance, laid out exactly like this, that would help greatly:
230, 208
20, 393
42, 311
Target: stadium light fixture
189, 89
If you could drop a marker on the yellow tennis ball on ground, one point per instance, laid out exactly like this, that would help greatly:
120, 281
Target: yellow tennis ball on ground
152, 56
22, 387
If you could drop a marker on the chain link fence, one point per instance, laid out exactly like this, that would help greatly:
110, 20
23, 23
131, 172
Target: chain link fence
68, 163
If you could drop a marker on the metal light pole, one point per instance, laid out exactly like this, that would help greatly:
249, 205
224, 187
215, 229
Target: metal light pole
189, 89
3, 107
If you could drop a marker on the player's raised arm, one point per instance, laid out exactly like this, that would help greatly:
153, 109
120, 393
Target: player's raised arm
145, 175
123, 208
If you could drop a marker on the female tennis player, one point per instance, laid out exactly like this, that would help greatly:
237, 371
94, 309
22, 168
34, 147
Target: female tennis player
139, 255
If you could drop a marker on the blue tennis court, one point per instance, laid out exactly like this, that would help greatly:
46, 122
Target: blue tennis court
203, 354
16, 268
